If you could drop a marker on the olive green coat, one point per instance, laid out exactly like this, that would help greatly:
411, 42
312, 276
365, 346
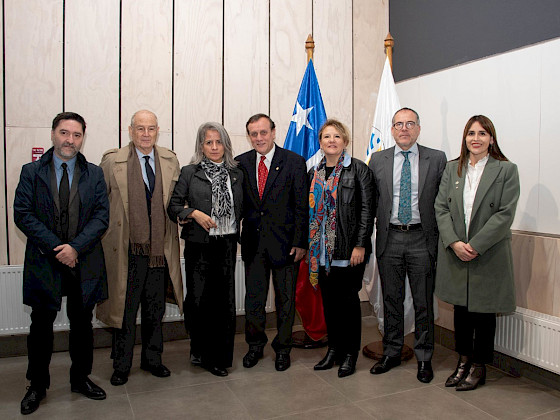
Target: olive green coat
486, 283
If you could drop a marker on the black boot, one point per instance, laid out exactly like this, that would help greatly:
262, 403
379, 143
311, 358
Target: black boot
348, 365
462, 370
476, 377
328, 361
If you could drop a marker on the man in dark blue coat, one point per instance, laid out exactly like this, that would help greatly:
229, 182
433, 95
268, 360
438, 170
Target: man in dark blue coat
61, 206
273, 237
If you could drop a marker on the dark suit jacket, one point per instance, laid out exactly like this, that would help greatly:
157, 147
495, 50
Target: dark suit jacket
195, 189
279, 221
35, 214
431, 164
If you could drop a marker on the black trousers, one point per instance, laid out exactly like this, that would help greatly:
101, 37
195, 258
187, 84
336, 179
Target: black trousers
474, 334
40, 338
146, 288
210, 301
257, 279
407, 253
341, 306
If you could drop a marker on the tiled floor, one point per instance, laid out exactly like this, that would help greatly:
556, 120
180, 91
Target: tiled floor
263, 393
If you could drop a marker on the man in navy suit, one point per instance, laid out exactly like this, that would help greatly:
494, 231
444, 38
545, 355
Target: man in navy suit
62, 208
407, 176
273, 236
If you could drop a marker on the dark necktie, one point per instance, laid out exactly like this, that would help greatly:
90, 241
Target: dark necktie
64, 198
263, 174
405, 206
150, 174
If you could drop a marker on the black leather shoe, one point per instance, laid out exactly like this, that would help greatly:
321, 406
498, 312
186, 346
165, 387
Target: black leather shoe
88, 389
385, 365
32, 399
425, 372
475, 377
282, 362
196, 360
119, 378
348, 366
215, 370
252, 358
157, 370
462, 370
328, 361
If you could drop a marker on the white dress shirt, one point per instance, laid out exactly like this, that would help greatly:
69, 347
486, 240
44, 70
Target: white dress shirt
143, 164
267, 162
472, 179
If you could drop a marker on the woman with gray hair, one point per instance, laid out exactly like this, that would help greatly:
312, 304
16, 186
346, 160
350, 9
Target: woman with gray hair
207, 202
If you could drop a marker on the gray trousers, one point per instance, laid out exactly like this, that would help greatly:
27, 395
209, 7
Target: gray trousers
407, 253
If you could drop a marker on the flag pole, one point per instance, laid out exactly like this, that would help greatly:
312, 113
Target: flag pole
374, 350
300, 338
310, 47
389, 43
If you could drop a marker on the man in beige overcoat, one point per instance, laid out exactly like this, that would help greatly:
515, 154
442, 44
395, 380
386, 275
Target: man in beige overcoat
141, 246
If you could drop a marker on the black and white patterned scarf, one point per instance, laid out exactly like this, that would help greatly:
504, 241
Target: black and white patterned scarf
222, 210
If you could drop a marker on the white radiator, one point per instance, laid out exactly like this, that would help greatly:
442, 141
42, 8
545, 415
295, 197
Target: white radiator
530, 336
15, 316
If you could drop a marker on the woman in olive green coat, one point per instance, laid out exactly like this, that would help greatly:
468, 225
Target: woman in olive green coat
475, 208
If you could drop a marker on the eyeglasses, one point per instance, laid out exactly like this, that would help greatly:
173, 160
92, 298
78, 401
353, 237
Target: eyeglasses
409, 125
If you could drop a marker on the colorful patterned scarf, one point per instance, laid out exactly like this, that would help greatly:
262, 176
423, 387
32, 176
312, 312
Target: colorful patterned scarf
322, 206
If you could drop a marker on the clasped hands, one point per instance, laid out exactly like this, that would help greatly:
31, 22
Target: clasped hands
464, 251
66, 255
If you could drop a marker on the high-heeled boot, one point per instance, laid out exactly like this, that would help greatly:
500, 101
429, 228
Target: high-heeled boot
328, 361
348, 365
476, 377
462, 370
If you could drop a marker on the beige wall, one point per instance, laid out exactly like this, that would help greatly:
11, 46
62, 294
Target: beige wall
189, 61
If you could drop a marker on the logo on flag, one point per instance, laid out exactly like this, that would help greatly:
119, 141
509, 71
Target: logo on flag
387, 104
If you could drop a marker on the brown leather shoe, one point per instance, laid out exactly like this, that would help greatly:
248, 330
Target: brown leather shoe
476, 377
462, 370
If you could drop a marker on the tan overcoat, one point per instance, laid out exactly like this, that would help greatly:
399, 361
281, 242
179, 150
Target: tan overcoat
116, 239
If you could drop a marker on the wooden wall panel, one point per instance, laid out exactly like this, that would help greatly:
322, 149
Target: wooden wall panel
198, 52
91, 78
290, 24
19, 142
33, 95
146, 62
332, 31
246, 66
3, 209
371, 25
33, 66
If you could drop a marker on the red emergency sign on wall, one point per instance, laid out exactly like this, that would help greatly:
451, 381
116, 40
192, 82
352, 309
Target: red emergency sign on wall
36, 153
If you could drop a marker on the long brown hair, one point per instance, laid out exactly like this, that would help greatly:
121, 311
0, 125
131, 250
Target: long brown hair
493, 148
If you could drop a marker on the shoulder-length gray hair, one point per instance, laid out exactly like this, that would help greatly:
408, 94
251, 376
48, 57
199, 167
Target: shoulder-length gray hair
229, 162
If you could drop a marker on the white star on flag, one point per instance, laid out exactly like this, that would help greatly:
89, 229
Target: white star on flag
300, 118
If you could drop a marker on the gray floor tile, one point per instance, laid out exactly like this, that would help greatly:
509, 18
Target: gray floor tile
344, 411
509, 398
209, 401
428, 402
114, 408
289, 392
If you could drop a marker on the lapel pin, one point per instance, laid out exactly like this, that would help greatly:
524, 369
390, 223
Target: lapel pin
277, 168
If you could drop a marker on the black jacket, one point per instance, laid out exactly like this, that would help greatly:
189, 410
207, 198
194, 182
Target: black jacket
355, 209
35, 216
194, 189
